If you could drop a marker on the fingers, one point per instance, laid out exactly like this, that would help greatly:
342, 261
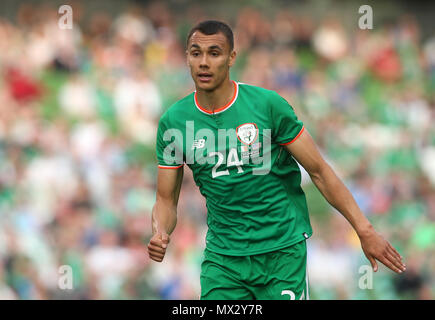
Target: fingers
373, 263
156, 253
389, 264
392, 260
389, 258
395, 251
160, 239
157, 246
165, 239
156, 249
156, 256
156, 242
377, 248
395, 259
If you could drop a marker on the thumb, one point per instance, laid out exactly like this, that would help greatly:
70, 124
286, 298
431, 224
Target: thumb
373, 263
165, 239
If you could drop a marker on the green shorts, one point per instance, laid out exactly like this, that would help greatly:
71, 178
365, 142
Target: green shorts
276, 275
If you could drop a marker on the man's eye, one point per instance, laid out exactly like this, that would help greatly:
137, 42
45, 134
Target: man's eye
195, 54
214, 54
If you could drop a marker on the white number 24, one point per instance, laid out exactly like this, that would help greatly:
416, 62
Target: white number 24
233, 160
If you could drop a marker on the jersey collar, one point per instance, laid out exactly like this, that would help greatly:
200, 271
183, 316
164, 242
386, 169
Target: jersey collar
221, 109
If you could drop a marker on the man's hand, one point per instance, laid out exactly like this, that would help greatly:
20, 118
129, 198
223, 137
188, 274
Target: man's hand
157, 246
375, 247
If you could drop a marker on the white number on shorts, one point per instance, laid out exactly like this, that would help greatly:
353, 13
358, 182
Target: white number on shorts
292, 294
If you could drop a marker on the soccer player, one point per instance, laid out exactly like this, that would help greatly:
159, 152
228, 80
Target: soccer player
242, 143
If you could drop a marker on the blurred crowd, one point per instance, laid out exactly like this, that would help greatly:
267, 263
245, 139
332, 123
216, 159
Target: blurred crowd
78, 115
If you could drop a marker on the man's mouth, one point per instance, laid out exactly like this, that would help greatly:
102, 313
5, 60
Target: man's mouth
204, 76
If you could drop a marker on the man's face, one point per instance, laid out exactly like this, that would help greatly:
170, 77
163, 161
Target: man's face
209, 58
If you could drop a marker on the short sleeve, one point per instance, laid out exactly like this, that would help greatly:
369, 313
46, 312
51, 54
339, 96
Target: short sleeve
169, 145
286, 127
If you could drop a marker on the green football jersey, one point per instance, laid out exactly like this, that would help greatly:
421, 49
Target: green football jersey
251, 183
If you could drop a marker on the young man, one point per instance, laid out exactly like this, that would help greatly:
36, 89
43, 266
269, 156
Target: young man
242, 143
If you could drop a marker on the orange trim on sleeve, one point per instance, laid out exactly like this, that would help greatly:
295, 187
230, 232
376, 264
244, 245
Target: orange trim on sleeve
170, 167
300, 132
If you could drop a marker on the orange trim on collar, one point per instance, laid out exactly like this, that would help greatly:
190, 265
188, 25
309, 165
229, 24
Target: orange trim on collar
220, 109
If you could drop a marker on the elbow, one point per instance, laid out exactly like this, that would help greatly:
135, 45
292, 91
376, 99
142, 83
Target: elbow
317, 172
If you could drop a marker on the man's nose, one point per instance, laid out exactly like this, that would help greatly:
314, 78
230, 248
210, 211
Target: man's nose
204, 62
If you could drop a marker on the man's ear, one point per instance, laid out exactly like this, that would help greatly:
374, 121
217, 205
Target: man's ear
187, 58
233, 55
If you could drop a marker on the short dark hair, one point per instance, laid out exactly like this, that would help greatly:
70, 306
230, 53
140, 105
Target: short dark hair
209, 27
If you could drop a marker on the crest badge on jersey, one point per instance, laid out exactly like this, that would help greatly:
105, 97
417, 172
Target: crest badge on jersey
247, 133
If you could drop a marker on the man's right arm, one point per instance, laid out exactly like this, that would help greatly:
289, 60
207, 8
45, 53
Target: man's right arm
164, 213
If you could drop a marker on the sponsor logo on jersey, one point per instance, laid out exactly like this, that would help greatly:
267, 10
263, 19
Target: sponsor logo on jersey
247, 133
198, 144
251, 151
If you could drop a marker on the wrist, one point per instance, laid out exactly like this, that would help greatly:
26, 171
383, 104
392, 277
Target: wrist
364, 230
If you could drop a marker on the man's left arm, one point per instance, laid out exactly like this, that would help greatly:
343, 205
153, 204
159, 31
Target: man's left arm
374, 246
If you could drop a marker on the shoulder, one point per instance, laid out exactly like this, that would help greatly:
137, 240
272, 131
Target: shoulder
177, 109
260, 94
248, 88
269, 99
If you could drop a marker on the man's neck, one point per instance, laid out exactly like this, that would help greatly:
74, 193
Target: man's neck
212, 100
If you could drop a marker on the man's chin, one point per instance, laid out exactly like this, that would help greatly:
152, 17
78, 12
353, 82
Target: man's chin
205, 86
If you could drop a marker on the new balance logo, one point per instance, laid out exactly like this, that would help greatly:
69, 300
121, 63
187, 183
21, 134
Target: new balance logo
198, 144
